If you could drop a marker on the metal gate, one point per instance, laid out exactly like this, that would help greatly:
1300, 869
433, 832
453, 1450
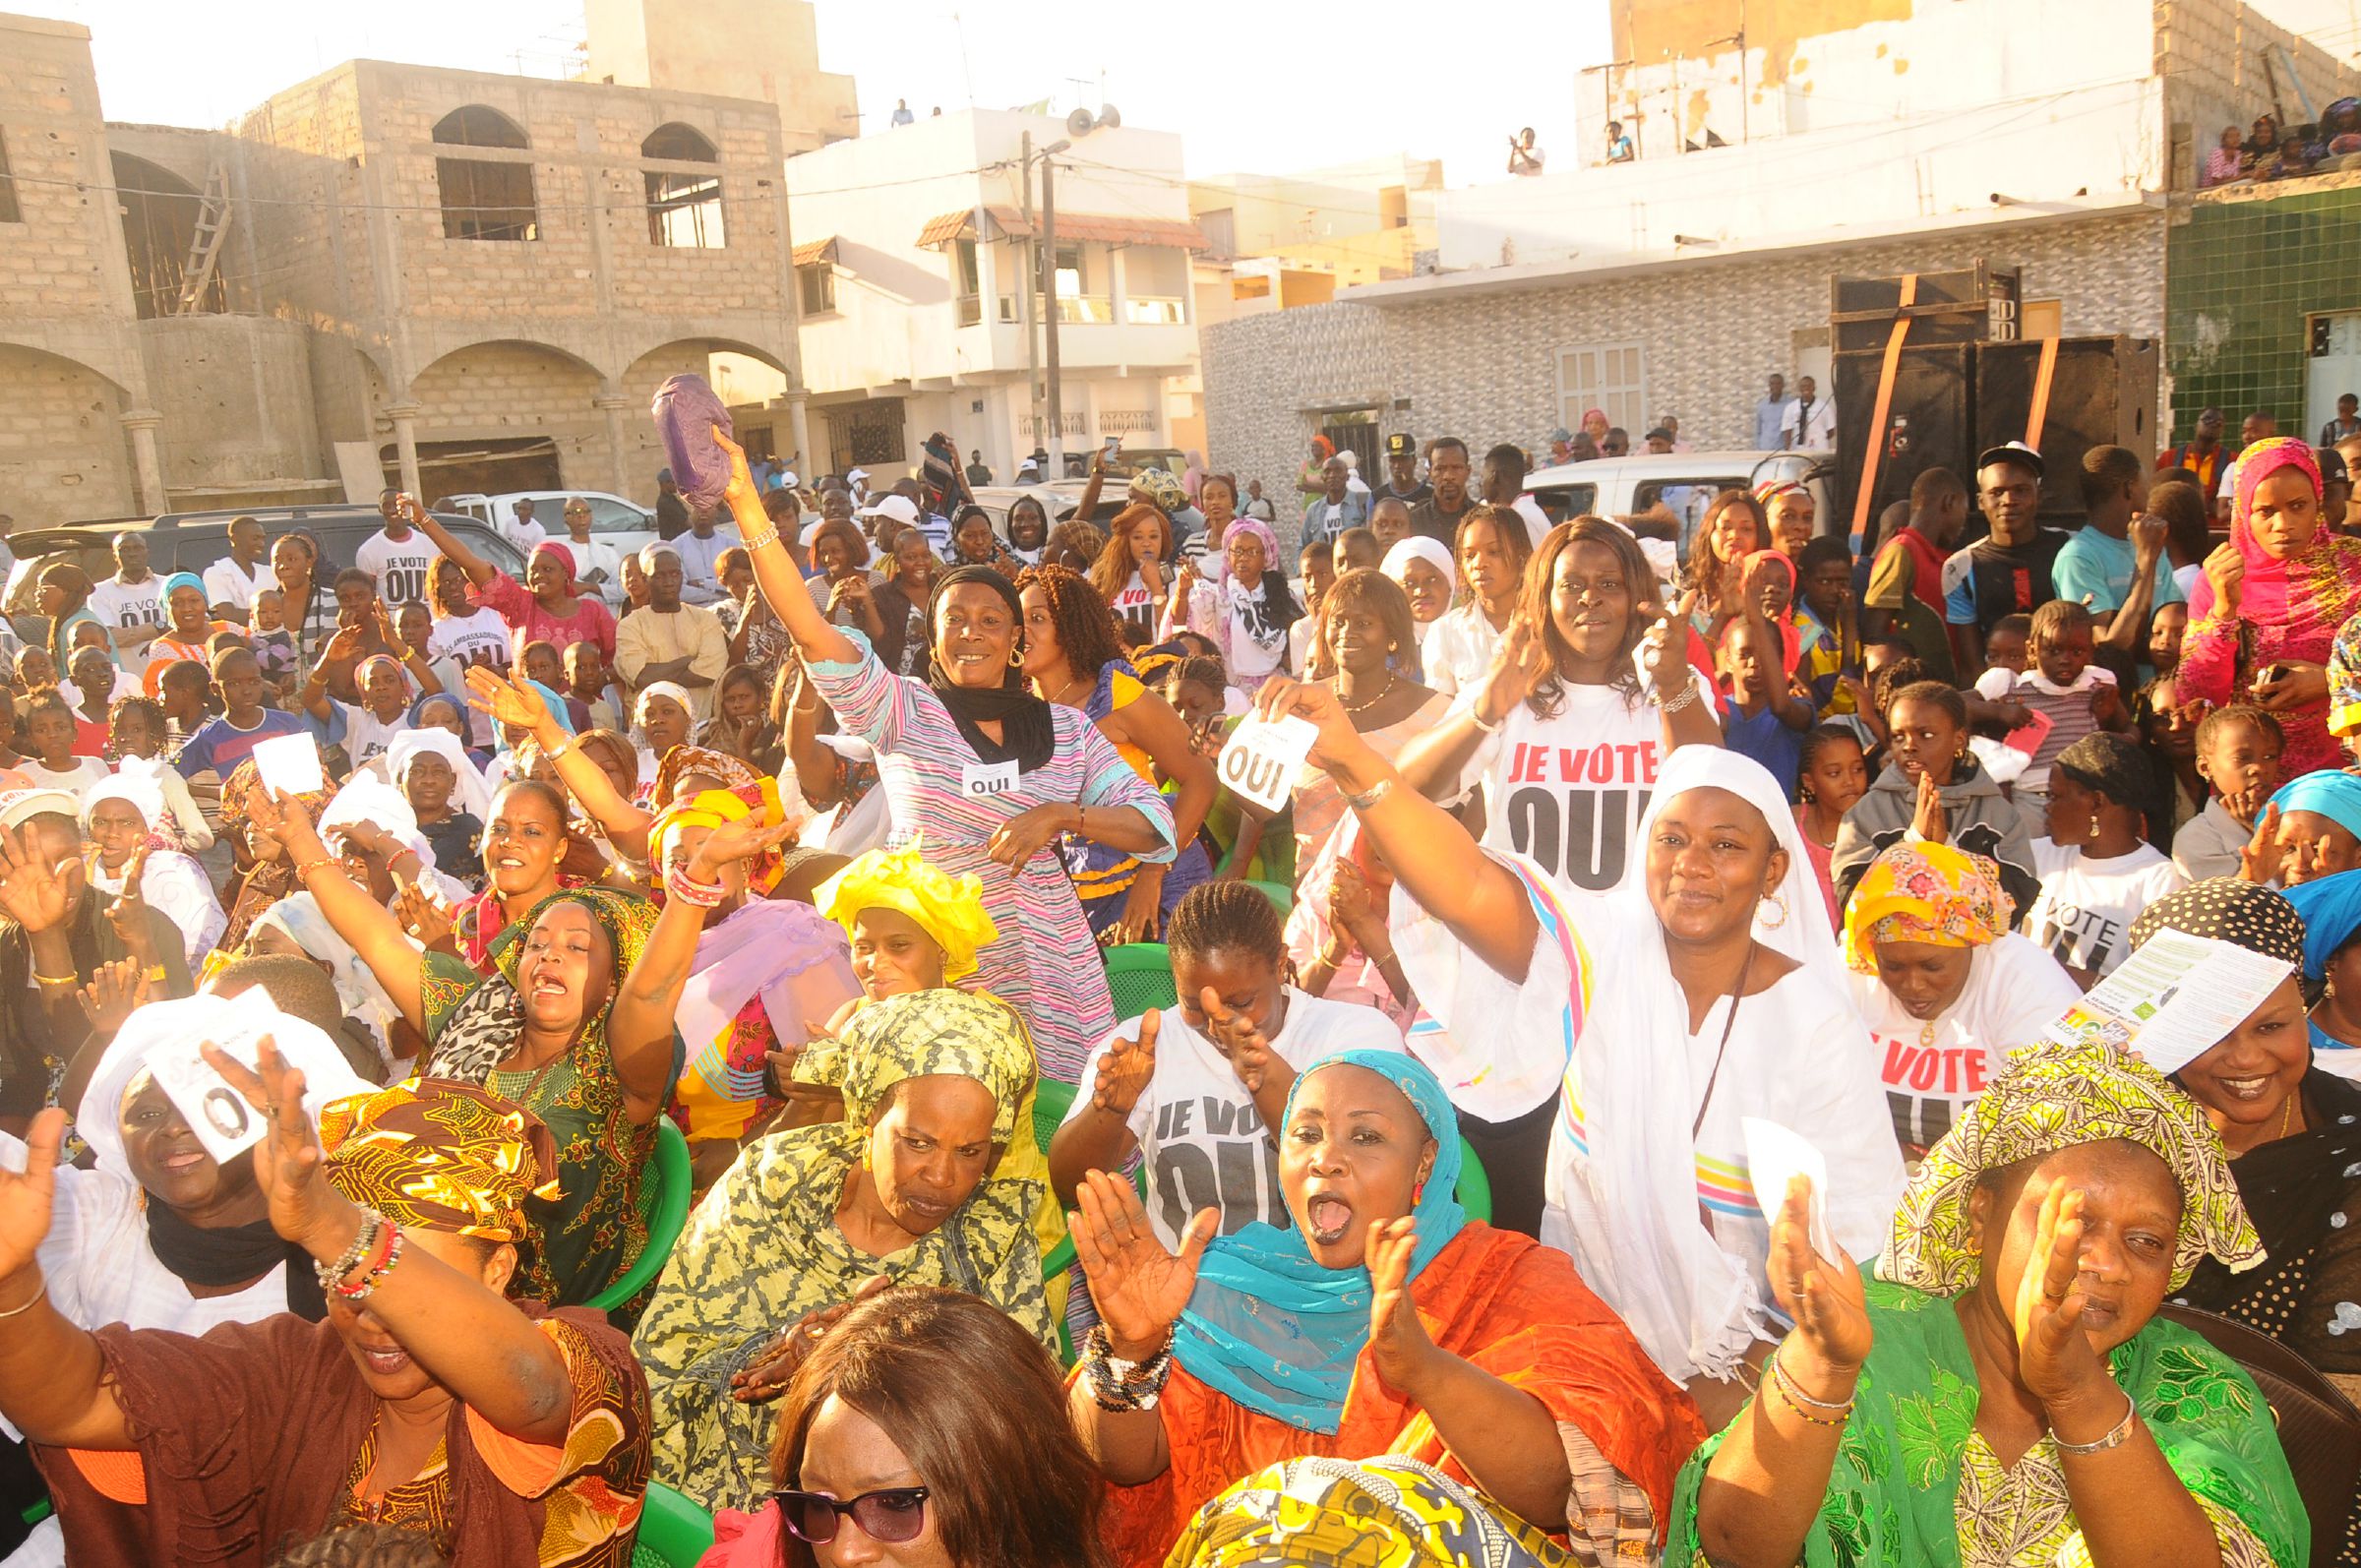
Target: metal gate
868, 435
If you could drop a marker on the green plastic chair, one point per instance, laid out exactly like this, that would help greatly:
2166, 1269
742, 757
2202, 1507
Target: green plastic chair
1139, 976
1282, 896
664, 1203
1051, 1101
674, 1533
1474, 1188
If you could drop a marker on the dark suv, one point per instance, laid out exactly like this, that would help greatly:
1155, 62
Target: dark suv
191, 541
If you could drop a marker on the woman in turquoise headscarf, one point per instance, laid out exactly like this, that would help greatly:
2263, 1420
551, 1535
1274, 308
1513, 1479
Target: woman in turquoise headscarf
2003, 1393
2313, 825
1384, 1322
2331, 908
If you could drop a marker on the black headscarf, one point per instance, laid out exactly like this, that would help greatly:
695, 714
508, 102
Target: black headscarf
1026, 730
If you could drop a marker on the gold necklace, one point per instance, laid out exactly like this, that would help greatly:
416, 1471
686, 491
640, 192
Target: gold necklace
1356, 707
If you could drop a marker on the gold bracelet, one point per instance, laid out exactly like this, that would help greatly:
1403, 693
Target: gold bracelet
1337, 962
1377, 961
40, 978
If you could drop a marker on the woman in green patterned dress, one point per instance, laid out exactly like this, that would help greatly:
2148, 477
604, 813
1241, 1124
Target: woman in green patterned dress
929, 1179
575, 1024
2002, 1396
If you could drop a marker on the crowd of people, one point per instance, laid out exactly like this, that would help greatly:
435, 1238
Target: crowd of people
382, 932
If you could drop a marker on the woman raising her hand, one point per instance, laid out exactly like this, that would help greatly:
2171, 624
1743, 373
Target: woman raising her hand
986, 772
2002, 1392
1268, 1344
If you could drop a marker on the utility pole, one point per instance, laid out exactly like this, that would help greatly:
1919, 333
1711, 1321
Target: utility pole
1029, 303
1049, 246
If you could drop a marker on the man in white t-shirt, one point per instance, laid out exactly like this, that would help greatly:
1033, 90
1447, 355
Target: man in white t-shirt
595, 561
397, 556
467, 634
1810, 421
523, 531
130, 604
232, 582
1197, 1099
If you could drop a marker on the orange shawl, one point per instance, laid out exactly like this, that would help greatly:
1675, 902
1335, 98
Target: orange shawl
1496, 1299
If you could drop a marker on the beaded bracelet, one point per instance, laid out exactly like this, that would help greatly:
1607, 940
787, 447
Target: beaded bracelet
1121, 1386
1801, 1402
681, 885
366, 1284
364, 1243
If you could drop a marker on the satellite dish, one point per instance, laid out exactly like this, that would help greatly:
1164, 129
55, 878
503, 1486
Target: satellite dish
1079, 123
1108, 119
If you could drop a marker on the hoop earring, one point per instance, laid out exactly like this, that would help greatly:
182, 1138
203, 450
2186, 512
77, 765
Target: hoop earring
1016, 657
1779, 902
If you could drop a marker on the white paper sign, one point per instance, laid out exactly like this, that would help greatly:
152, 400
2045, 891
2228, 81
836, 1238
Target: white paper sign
1262, 757
1774, 1156
2173, 1000
289, 765
218, 1114
980, 779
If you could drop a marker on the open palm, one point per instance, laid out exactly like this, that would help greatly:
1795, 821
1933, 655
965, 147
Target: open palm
1139, 1289
32, 893
506, 701
25, 1196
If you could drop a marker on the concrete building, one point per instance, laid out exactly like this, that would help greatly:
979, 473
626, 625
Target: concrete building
1848, 138
451, 279
1274, 242
766, 49
913, 250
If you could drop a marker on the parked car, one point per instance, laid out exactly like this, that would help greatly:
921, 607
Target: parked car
1683, 484
191, 541
1059, 498
614, 521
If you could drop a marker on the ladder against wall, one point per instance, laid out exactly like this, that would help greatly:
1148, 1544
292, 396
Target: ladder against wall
204, 244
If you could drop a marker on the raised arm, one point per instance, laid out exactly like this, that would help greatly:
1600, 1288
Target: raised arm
774, 569
645, 1016
1476, 898
53, 1383
479, 570
1140, 1290
360, 920
1149, 722
814, 764
2127, 628
510, 701
458, 1326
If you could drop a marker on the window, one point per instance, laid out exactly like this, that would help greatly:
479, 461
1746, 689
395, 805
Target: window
1156, 286
10, 212
484, 199
1082, 294
816, 287
684, 209
971, 287
1613, 377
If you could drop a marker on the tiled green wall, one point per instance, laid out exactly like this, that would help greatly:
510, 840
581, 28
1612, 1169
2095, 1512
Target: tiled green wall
2240, 278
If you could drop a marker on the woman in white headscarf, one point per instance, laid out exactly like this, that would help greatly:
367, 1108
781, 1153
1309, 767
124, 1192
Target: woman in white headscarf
294, 925
446, 795
1704, 988
125, 814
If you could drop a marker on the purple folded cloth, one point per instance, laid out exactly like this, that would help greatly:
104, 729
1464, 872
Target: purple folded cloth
687, 410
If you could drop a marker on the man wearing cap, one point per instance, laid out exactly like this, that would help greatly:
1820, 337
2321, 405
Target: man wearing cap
1448, 471
668, 641
1659, 441
896, 508
672, 512
2097, 566
2010, 570
1401, 481
1337, 508
1771, 414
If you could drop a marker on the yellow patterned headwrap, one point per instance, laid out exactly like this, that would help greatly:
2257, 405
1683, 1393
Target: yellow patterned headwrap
1925, 893
924, 1032
438, 1155
713, 808
950, 909
2053, 1096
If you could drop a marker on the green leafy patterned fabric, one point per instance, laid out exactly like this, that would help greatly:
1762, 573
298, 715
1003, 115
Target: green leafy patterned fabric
1915, 1486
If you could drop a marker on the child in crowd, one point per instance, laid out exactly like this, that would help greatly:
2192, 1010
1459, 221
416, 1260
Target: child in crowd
2097, 870
1933, 786
1762, 718
2065, 684
36, 671
224, 740
1357, 550
1228, 1053
2006, 643
2238, 757
138, 730
1833, 773
544, 664
586, 682
1829, 637
2164, 633
1317, 562
268, 636
90, 693
185, 693
50, 735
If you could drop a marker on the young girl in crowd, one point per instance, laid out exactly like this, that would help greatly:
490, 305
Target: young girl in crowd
1245, 609
2097, 870
50, 738
1832, 774
2238, 752
1491, 547
1933, 786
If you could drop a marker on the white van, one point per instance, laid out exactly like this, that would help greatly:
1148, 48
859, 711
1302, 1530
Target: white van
1681, 484
614, 521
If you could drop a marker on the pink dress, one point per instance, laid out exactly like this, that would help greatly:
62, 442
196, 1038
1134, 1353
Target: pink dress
528, 622
1820, 856
1320, 804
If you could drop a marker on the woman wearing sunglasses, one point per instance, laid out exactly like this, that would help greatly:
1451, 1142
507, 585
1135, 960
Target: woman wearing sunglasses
923, 1429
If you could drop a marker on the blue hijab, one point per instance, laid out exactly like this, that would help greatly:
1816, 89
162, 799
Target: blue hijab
2335, 794
1271, 1328
2332, 911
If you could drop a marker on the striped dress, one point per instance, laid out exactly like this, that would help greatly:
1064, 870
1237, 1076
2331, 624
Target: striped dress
1044, 962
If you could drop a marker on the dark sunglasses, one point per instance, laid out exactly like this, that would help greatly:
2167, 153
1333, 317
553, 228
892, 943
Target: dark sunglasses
892, 1514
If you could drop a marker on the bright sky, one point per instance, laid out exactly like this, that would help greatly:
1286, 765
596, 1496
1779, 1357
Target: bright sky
1249, 84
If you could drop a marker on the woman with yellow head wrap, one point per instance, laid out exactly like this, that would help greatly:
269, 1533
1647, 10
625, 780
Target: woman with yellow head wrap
932, 1177
763, 969
2004, 1391
1944, 984
912, 925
